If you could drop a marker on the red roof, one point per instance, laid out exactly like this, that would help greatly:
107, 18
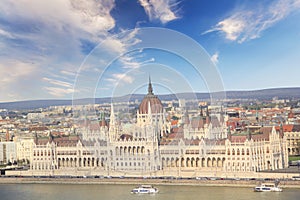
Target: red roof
286, 128
174, 122
238, 138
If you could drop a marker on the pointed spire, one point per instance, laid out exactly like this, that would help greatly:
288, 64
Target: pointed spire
207, 121
112, 114
112, 124
7, 135
150, 90
228, 133
103, 122
50, 137
186, 118
207, 112
201, 111
281, 133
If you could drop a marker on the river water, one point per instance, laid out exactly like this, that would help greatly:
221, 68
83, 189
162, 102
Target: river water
122, 192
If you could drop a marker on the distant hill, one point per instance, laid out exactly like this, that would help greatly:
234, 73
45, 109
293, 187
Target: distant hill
264, 94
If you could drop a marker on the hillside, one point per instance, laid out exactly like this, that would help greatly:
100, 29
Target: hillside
264, 94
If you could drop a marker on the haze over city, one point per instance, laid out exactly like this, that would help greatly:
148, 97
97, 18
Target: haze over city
254, 45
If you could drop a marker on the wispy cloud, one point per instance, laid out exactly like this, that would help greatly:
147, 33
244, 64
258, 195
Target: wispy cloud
68, 73
55, 29
59, 92
117, 78
134, 60
120, 43
42, 35
17, 70
244, 25
92, 17
164, 11
6, 34
167, 80
215, 58
58, 82
59, 88
13, 74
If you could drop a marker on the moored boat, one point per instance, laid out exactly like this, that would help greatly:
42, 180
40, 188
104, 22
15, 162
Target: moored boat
144, 189
268, 187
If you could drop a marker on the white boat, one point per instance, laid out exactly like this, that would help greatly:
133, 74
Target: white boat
268, 187
144, 189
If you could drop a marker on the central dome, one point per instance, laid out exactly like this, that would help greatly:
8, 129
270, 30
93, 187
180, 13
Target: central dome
153, 100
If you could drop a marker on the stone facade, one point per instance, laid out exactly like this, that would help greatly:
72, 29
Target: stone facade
7, 152
292, 133
24, 148
199, 145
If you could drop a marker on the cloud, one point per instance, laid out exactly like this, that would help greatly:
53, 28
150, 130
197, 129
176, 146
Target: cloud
58, 88
18, 70
59, 92
134, 60
167, 80
122, 78
68, 73
55, 29
130, 62
118, 44
164, 11
91, 16
58, 82
6, 34
46, 33
114, 53
245, 25
215, 58
12, 77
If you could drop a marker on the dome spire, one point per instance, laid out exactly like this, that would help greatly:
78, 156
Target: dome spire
150, 90
155, 104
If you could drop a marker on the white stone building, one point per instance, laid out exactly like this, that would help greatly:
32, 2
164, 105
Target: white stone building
7, 152
200, 145
24, 148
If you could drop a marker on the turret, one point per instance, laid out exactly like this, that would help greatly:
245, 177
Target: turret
102, 120
207, 116
112, 124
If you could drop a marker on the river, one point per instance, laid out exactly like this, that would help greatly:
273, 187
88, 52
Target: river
122, 192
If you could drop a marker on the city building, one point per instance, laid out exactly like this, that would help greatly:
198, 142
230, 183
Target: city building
150, 147
7, 152
292, 134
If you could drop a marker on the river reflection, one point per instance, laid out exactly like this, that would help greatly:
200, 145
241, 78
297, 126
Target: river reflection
122, 192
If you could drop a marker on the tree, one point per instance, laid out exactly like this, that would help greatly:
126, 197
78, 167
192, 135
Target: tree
175, 118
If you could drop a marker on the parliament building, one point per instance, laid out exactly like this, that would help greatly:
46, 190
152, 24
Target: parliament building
201, 145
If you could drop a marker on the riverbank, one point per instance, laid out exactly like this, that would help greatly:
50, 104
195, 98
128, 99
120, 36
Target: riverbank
191, 182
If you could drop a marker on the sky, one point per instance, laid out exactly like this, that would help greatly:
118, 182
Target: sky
64, 49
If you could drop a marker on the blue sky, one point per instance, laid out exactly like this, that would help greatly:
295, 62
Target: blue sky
46, 47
